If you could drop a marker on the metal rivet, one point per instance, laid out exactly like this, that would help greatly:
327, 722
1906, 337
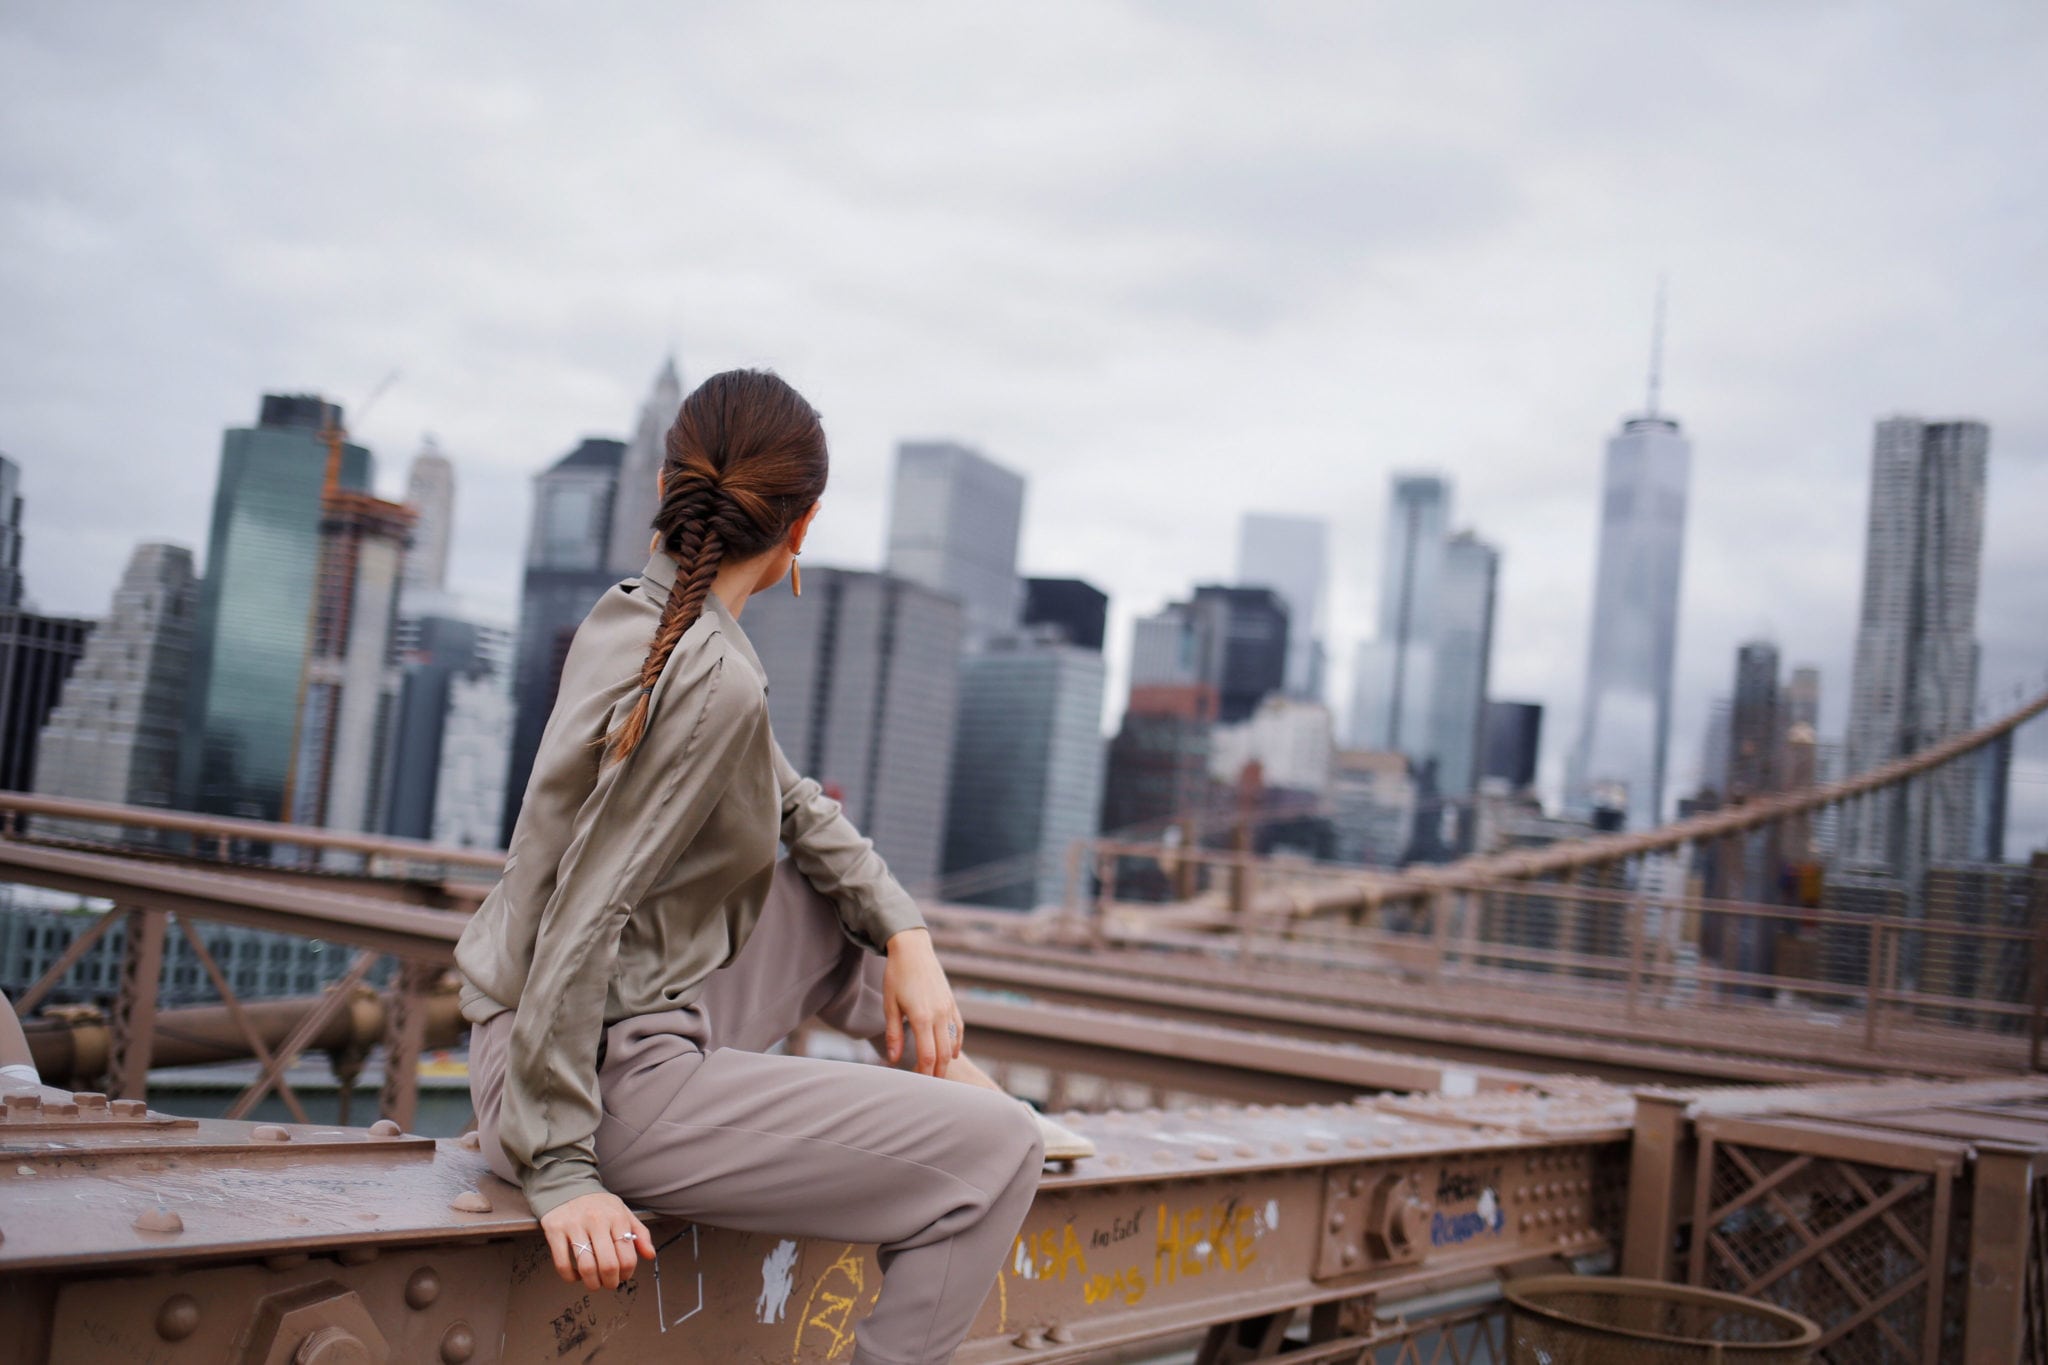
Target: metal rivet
1245, 1150
458, 1344
1031, 1339
384, 1128
1316, 1145
286, 1260
1356, 1142
90, 1099
1060, 1335
1206, 1154
1116, 1161
422, 1287
25, 1099
473, 1141
361, 1254
471, 1201
1282, 1149
178, 1318
1337, 1221
158, 1220
1162, 1155
269, 1132
61, 1109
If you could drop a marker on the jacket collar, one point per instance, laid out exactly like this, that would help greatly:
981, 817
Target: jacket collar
660, 571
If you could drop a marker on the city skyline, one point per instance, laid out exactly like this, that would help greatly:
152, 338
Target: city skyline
1156, 346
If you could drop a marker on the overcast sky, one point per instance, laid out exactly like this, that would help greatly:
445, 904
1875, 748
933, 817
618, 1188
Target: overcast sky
1171, 260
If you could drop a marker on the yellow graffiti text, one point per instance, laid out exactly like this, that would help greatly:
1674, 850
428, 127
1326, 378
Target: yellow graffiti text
1202, 1241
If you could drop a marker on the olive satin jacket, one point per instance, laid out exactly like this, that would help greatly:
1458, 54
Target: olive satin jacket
627, 883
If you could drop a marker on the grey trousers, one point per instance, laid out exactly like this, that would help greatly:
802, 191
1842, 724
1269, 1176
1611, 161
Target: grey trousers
699, 1124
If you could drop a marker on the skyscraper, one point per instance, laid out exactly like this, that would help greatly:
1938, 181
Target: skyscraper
10, 533
1464, 662
632, 515
1756, 722
1915, 678
1232, 640
1027, 768
1421, 682
1396, 669
452, 737
114, 736
1078, 610
863, 674
37, 655
1514, 736
343, 742
256, 606
1625, 723
954, 516
1243, 634
430, 488
1291, 556
566, 572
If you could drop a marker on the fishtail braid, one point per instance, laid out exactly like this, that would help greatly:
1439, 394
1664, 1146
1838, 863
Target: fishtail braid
745, 458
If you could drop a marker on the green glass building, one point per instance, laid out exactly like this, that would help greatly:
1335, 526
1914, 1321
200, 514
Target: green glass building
255, 607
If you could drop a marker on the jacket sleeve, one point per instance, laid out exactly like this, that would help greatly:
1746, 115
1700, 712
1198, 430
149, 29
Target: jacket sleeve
840, 862
638, 818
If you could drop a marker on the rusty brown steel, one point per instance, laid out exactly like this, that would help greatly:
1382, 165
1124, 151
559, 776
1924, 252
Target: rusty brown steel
233, 1005
132, 1029
284, 1239
260, 903
1902, 1216
337, 995
66, 960
402, 1039
221, 827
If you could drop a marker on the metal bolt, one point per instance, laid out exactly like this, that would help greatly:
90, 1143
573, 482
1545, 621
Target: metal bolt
458, 1344
178, 1318
158, 1220
422, 1287
331, 1346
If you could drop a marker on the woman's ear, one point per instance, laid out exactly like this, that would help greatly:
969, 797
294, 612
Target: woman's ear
801, 527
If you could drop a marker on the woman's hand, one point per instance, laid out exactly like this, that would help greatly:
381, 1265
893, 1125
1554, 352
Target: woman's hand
914, 991
614, 1238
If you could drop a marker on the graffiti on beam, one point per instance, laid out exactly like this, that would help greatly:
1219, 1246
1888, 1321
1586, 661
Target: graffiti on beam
1483, 1220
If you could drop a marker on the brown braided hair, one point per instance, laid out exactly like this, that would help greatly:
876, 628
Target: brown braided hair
745, 458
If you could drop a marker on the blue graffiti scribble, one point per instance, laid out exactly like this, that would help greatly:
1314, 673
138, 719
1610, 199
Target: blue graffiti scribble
1450, 1230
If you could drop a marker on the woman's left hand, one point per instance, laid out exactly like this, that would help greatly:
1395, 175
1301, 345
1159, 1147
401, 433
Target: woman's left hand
915, 994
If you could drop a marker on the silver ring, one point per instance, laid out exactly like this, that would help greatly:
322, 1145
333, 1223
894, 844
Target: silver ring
583, 1247
627, 1237
952, 1030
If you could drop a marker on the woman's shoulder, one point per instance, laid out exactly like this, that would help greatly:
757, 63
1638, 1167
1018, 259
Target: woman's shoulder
708, 657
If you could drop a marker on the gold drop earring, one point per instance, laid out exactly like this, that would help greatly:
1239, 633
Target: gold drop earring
796, 574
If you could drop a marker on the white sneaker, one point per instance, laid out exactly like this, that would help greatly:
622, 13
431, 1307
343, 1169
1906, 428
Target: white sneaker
1061, 1143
